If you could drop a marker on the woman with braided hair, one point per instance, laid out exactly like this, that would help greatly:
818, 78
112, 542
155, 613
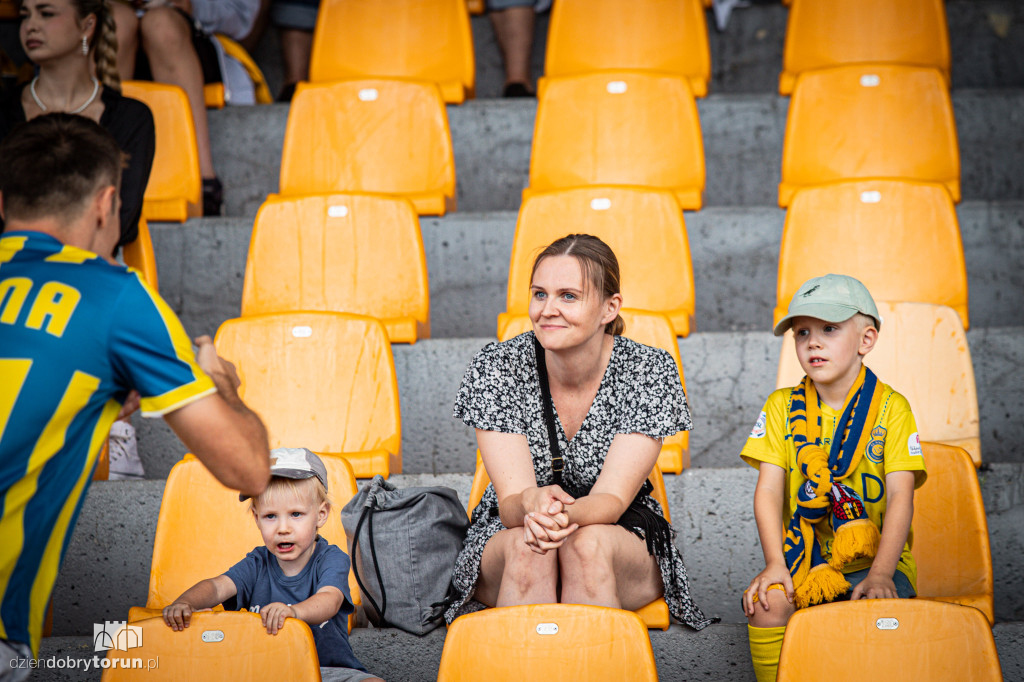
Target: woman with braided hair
74, 45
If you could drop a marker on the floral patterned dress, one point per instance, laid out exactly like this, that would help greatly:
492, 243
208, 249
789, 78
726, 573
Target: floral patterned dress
639, 393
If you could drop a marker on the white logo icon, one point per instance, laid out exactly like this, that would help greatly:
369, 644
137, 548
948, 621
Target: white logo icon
116, 634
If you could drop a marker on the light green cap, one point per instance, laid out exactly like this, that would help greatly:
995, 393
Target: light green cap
832, 298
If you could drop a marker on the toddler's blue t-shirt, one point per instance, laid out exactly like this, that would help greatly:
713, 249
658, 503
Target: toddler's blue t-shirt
260, 581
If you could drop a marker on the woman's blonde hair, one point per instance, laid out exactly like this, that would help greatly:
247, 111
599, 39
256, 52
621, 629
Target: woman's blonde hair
599, 264
104, 40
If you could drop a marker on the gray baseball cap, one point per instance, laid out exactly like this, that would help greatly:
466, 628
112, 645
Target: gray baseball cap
832, 298
295, 463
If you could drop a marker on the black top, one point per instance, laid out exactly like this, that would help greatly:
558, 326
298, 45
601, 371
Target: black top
131, 123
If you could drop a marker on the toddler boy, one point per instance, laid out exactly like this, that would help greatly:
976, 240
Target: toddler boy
297, 574
835, 454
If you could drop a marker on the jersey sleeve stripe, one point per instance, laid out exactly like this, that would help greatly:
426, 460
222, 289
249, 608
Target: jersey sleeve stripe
160, 405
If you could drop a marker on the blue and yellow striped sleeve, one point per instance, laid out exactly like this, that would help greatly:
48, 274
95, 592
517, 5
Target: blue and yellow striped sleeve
151, 352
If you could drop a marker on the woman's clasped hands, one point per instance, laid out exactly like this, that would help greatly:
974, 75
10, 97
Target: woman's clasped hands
546, 524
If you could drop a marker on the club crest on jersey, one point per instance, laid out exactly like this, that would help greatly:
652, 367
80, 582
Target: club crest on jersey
876, 447
759, 426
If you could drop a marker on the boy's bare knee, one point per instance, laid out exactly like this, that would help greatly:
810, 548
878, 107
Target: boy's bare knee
778, 613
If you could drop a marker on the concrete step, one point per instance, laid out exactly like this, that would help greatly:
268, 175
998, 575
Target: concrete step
728, 377
719, 652
742, 145
734, 251
106, 569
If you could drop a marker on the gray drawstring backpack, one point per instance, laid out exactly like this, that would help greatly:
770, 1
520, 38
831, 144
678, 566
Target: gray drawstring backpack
403, 545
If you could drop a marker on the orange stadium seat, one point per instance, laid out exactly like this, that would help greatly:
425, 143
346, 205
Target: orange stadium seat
901, 239
139, 255
921, 352
911, 640
216, 646
175, 190
214, 93
652, 329
322, 380
643, 226
669, 36
378, 136
426, 40
654, 615
951, 543
547, 641
829, 33
355, 253
618, 128
870, 121
198, 511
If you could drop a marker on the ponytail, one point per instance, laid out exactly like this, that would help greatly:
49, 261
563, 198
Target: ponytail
105, 49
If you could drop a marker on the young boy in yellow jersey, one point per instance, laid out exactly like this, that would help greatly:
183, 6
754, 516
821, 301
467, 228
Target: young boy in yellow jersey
836, 455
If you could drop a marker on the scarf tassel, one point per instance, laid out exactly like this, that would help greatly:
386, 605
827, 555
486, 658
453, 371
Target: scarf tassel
854, 540
822, 584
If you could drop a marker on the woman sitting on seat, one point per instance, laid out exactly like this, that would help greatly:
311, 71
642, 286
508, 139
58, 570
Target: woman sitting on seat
68, 40
569, 419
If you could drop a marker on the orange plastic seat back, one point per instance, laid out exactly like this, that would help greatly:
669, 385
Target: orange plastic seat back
651, 329
901, 239
547, 641
427, 40
198, 512
870, 121
922, 353
825, 34
355, 253
645, 229
139, 255
378, 136
951, 543
618, 128
912, 640
325, 380
670, 36
216, 646
175, 190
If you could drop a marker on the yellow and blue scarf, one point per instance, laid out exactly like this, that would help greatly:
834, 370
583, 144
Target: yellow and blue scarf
823, 497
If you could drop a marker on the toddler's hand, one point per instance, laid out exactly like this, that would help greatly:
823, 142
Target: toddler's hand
178, 615
273, 616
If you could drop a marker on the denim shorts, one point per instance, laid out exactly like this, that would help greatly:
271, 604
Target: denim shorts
904, 590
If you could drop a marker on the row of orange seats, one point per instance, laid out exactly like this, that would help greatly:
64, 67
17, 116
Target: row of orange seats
953, 568
909, 639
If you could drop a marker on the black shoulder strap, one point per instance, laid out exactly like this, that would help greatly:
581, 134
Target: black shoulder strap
549, 413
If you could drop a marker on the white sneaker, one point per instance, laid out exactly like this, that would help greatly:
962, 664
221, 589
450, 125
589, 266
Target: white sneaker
124, 453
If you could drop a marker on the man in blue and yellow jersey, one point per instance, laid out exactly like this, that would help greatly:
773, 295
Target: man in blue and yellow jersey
77, 335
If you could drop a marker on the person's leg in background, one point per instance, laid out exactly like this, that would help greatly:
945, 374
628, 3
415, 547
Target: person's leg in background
295, 21
513, 28
166, 38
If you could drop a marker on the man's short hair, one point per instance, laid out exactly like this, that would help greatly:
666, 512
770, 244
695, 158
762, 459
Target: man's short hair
50, 165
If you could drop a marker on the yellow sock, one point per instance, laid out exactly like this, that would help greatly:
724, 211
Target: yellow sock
765, 648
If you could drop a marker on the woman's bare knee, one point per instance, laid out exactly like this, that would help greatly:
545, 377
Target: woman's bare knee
510, 572
165, 33
778, 613
586, 565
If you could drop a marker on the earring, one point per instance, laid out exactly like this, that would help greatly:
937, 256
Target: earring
85, 46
